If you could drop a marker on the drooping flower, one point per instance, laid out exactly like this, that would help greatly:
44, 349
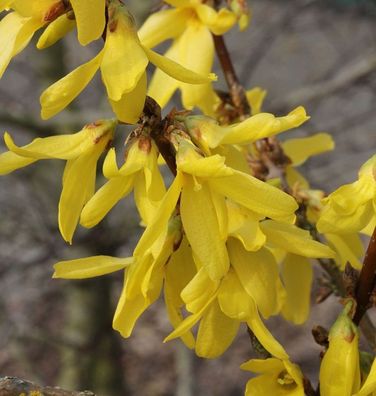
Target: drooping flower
139, 172
18, 27
208, 134
276, 377
190, 24
339, 370
81, 150
352, 207
122, 62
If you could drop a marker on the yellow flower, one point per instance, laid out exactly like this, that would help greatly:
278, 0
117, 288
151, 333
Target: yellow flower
18, 27
190, 24
208, 134
81, 150
277, 377
339, 370
352, 207
139, 172
220, 307
204, 184
123, 62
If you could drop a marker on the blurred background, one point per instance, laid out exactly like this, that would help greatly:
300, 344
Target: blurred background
320, 54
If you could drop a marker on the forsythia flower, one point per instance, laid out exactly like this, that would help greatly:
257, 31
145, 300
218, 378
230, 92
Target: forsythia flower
352, 207
18, 27
139, 172
81, 150
208, 134
190, 24
339, 370
122, 62
277, 378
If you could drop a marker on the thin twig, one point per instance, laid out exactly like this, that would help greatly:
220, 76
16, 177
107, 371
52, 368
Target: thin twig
367, 280
237, 91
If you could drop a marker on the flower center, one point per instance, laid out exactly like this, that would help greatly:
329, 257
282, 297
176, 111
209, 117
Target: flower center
285, 380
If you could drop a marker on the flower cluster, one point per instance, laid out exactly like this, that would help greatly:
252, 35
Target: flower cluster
229, 240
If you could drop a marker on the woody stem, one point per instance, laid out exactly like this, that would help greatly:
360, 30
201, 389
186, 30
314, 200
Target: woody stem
367, 280
237, 91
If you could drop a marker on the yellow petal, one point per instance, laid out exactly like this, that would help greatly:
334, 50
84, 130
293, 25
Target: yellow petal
90, 17
334, 222
198, 291
58, 96
294, 239
295, 179
244, 225
160, 26
180, 270
10, 162
233, 299
218, 22
127, 312
255, 99
270, 365
90, 267
297, 278
221, 211
201, 227
5, 4
16, 32
56, 30
215, 333
105, 199
36, 9
213, 166
175, 316
258, 273
255, 195
369, 385
110, 168
162, 86
196, 52
338, 368
60, 146
130, 106
178, 71
349, 248
161, 218
149, 189
124, 60
78, 187
264, 336
262, 125
189, 321
300, 149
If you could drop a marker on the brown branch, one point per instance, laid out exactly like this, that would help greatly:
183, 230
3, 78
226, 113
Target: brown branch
12, 386
237, 91
367, 280
151, 118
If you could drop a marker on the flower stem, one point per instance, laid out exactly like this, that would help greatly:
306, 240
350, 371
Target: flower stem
367, 280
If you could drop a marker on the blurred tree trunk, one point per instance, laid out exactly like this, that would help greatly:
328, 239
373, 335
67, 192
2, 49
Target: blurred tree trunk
95, 360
